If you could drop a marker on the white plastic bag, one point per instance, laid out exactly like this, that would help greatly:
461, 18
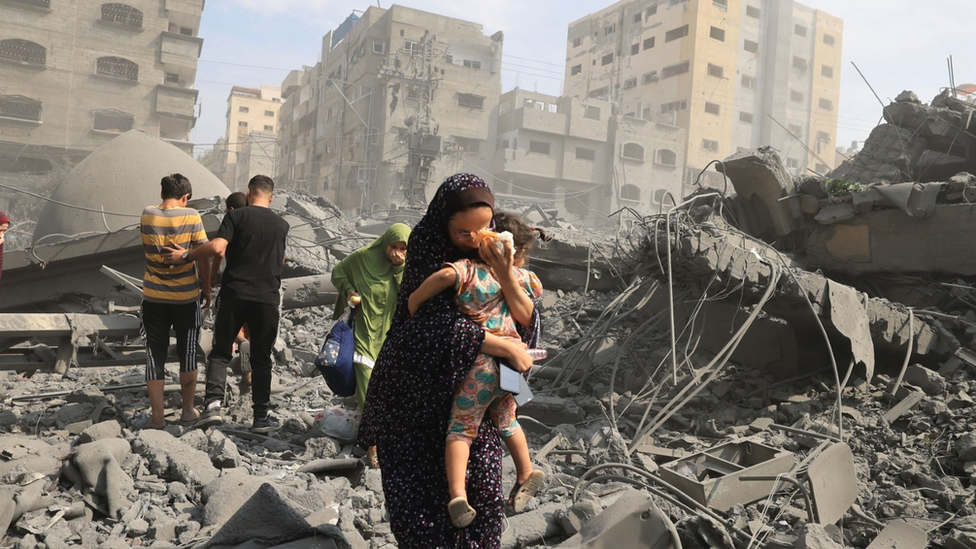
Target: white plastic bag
339, 423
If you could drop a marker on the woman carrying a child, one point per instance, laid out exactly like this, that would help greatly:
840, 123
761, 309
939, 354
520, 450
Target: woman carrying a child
424, 360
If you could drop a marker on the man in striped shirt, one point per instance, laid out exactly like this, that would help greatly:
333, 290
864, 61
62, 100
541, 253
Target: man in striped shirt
171, 294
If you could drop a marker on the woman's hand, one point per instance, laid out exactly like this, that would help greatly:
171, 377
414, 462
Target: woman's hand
512, 350
519, 358
500, 262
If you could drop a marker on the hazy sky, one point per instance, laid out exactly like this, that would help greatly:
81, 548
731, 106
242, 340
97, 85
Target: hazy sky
898, 44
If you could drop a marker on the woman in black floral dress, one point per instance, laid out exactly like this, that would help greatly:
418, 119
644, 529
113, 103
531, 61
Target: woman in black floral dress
422, 362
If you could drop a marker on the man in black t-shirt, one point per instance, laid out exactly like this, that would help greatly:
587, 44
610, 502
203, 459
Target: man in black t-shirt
253, 241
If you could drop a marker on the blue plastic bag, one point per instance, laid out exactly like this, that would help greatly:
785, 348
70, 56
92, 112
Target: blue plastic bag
335, 356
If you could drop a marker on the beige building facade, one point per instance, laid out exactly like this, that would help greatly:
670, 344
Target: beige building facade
401, 99
734, 73
575, 154
249, 110
73, 75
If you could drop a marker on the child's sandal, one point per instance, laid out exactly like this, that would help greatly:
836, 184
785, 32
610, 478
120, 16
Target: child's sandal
462, 514
522, 493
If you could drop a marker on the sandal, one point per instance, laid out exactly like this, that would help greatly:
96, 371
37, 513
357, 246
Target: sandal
523, 492
462, 514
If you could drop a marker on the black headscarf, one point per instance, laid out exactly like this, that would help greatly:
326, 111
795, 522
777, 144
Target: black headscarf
408, 403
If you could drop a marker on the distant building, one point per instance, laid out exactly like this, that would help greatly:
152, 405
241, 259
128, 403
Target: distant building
401, 99
735, 73
256, 157
73, 75
587, 161
249, 110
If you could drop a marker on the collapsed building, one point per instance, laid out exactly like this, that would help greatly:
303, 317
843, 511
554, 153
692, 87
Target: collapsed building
779, 362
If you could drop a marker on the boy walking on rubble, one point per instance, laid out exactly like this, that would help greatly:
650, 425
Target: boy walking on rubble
253, 240
171, 294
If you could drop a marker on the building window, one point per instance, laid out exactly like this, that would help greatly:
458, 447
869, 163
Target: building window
752, 11
186, 31
632, 151
651, 10
471, 64
465, 144
709, 145
379, 47
799, 63
269, 113
666, 157
630, 192
634, 49
122, 14
648, 43
471, 101
171, 78
712, 108
243, 109
724, 4
577, 42
717, 34
638, 18
23, 51
111, 120
649, 77
826, 104
796, 97
20, 107
794, 129
823, 136
745, 117
677, 33
675, 70
411, 46
593, 113
674, 106
576, 69
585, 154
45, 4
612, 28
116, 67
715, 70
600, 93
606, 59
826, 72
748, 81
268, 128
242, 124
750, 46
792, 163
799, 30
828, 39
630, 83
541, 147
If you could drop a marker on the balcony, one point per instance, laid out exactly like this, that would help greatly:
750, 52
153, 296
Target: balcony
192, 8
179, 53
176, 101
522, 162
43, 6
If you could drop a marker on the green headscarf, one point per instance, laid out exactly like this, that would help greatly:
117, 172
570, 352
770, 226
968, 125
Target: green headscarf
369, 272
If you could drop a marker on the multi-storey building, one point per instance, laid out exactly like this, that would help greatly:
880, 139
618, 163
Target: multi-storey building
735, 73
574, 153
248, 110
257, 157
73, 75
400, 99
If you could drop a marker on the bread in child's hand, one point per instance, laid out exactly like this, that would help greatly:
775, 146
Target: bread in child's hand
498, 238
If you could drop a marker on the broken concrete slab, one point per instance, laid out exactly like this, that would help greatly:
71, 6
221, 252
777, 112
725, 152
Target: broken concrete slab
170, 459
761, 180
100, 466
632, 517
99, 431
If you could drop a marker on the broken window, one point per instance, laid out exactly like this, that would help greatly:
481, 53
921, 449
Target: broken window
799, 30
634, 49
748, 81
116, 67
826, 104
577, 42
600, 93
715, 70
826, 72
576, 69
630, 192
243, 109
752, 11
666, 157
593, 113
20, 107
606, 59
632, 151
799, 63
242, 124
171, 78
675, 70
674, 106
122, 14
677, 33
712, 108
471, 101
541, 147
23, 51
610, 29
710, 145
745, 117
796, 97
630, 83
111, 120
648, 43
269, 113
828, 39
468, 145
585, 154
750, 46
649, 77
823, 136
717, 34
721, 3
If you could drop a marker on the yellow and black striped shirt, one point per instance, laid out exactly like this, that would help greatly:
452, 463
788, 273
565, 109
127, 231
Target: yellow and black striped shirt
164, 283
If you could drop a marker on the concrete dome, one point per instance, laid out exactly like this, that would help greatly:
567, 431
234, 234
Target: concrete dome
120, 177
